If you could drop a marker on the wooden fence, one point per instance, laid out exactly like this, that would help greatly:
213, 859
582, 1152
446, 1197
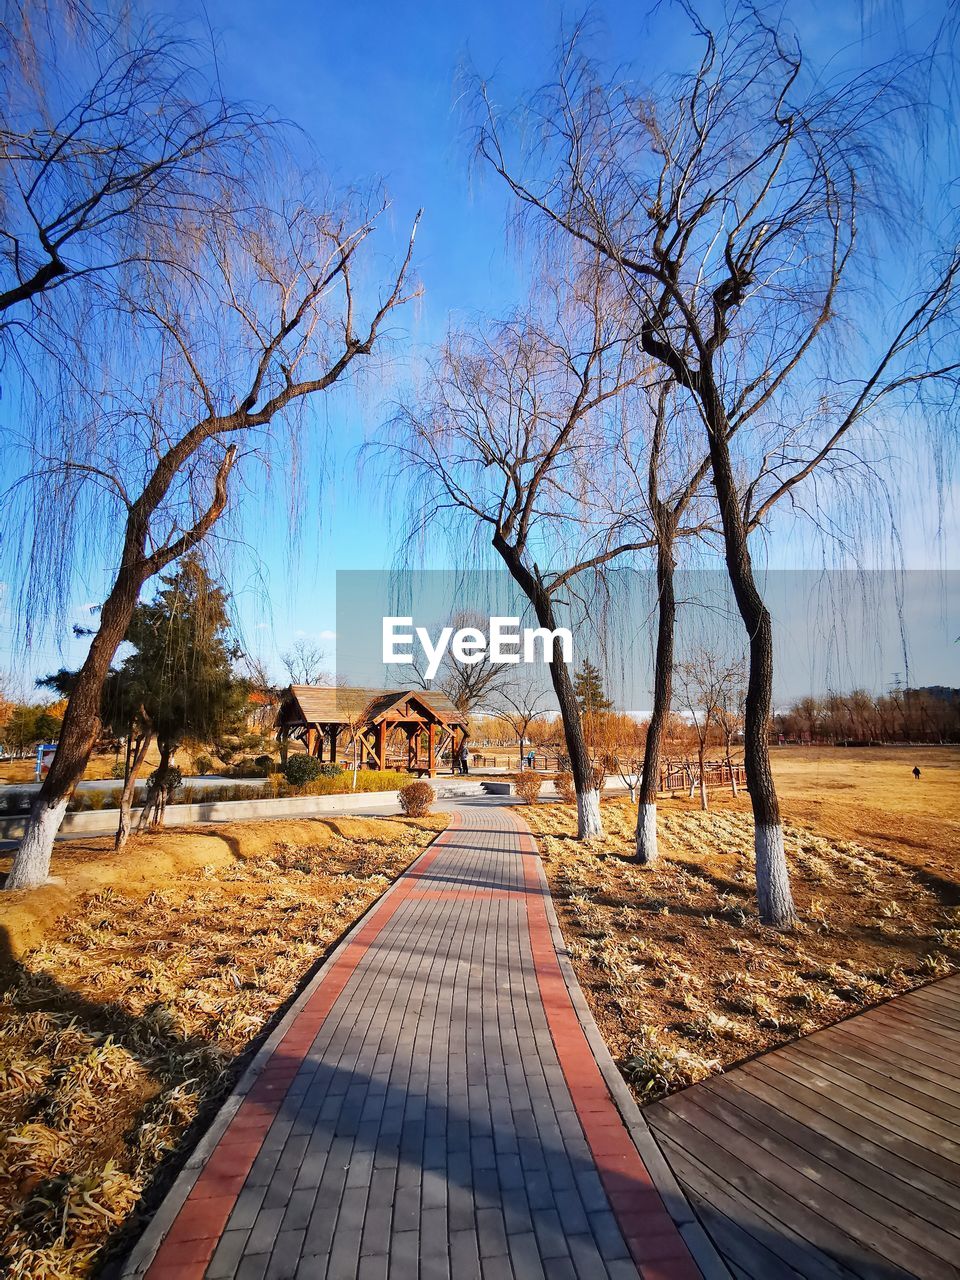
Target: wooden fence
685, 775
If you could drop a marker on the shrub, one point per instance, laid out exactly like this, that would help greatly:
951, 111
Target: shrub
170, 779
416, 799
653, 1069
599, 775
528, 786
203, 765
118, 770
264, 762
565, 788
302, 769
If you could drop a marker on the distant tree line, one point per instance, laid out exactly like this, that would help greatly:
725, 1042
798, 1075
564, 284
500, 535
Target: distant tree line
930, 715
25, 724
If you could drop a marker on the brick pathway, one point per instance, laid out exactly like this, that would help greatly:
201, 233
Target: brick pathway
430, 1109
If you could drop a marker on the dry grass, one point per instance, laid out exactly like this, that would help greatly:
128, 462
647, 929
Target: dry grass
869, 795
682, 977
121, 1032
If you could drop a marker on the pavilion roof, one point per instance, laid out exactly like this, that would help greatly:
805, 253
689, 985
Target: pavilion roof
318, 705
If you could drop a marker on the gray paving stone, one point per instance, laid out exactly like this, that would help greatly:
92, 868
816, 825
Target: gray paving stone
429, 1133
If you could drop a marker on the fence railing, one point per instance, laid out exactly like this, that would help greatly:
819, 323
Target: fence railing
684, 775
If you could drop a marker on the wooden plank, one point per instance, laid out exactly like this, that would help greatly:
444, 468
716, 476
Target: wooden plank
881, 1147
793, 1250
872, 1187
818, 1078
919, 1025
941, 989
903, 1102
937, 1001
944, 1021
853, 1207
889, 1053
938, 1114
941, 1074
802, 1216
745, 1255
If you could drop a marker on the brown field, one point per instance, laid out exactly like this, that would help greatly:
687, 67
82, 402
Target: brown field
868, 794
680, 974
149, 979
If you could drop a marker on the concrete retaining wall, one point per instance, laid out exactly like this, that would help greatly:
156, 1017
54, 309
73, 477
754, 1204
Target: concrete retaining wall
98, 822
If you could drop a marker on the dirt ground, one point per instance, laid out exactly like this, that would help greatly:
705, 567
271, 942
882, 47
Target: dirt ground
681, 976
149, 979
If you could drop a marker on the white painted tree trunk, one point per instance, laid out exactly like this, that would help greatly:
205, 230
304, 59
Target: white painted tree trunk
32, 864
773, 878
647, 834
589, 825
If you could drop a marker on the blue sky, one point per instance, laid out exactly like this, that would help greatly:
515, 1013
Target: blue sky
377, 88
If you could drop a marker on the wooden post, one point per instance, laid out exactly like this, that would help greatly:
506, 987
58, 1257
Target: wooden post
381, 744
311, 741
432, 749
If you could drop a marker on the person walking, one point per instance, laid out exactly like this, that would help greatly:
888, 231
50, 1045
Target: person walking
916, 773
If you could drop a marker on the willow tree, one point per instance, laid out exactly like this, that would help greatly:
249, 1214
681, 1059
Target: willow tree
511, 440
732, 202
110, 129
232, 326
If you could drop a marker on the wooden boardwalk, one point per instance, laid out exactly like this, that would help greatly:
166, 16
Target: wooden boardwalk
835, 1156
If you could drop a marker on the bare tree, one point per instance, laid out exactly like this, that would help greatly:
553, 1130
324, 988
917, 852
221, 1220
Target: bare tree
728, 710
304, 663
519, 706
708, 692
670, 468
730, 202
110, 133
269, 318
468, 684
511, 435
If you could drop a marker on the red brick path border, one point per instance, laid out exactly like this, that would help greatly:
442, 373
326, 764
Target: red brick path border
652, 1237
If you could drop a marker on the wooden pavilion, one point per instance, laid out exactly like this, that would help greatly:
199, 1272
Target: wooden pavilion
390, 728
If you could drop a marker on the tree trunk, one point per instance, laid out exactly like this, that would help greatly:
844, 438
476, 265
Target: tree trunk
733, 773
703, 780
155, 801
135, 761
589, 823
662, 694
773, 878
81, 726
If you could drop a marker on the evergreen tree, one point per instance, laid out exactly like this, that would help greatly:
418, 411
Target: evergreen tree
588, 687
183, 666
177, 684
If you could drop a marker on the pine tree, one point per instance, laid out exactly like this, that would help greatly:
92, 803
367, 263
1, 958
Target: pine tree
183, 665
588, 687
